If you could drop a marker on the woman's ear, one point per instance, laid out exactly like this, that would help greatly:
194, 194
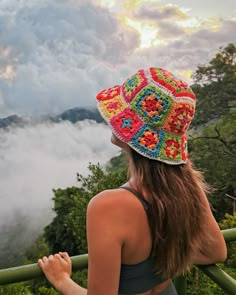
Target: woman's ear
116, 141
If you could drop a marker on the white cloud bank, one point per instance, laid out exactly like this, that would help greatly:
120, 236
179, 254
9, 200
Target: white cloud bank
34, 160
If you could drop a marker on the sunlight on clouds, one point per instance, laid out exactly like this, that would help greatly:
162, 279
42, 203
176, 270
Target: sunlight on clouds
107, 3
7, 72
181, 12
213, 24
186, 75
132, 4
147, 31
193, 24
4, 52
190, 23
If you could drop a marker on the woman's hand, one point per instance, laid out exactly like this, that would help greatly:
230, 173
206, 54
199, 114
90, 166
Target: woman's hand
57, 268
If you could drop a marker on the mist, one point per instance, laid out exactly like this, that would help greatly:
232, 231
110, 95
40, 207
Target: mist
36, 159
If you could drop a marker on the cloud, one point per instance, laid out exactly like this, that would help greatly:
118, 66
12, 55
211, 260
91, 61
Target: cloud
188, 52
36, 159
158, 12
56, 55
168, 30
58, 50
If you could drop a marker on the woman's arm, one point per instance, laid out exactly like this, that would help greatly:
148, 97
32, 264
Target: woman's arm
57, 269
215, 250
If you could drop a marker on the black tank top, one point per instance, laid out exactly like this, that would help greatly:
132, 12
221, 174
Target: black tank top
140, 277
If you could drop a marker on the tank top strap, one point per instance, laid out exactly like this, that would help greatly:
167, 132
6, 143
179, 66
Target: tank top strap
139, 196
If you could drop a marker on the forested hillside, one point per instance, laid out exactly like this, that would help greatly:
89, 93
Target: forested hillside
212, 147
72, 115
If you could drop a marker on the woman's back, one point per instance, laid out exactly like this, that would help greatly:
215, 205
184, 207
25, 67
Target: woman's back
131, 222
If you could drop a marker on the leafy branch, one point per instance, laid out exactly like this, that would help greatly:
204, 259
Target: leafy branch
228, 145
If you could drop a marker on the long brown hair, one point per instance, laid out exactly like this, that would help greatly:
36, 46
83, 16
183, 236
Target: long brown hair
177, 213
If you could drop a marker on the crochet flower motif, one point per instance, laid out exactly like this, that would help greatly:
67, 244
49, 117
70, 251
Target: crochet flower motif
112, 107
133, 85
169, 76
149, 140
179, 119
178, 87
126, 124
108, 93
152, 105
172, 148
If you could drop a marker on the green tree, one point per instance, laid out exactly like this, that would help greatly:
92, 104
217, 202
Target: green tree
67, 232
212, 151
215, 86
230, 222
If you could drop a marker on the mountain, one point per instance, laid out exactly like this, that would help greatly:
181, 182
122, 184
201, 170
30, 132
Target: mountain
73, 115
78, 114
12, 120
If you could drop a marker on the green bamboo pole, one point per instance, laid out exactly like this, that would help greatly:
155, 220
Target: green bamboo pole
221, 278
229, 234
33, 271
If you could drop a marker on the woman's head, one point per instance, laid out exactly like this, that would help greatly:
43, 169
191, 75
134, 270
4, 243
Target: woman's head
151, 112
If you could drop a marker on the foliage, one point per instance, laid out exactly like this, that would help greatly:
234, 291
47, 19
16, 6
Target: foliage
15, 240
215, 86
199, 283
38, 249
16, 289
212, 142
67, 232
212, 151
47, 291
230, 222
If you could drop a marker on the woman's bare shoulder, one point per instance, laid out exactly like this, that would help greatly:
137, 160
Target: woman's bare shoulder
114, 199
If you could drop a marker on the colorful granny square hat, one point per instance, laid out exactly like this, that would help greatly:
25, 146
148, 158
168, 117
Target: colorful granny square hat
151, 112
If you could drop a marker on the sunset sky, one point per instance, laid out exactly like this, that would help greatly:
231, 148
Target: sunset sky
57, 54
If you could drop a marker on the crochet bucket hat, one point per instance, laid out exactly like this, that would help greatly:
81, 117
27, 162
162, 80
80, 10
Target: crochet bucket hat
151, 112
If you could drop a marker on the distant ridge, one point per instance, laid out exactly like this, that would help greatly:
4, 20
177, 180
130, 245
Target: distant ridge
11, 120
79, 114
73, 115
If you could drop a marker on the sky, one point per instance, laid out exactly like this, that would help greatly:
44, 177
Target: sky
57, 54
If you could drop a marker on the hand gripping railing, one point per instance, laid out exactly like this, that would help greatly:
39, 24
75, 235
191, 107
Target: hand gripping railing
32, 271
215, 273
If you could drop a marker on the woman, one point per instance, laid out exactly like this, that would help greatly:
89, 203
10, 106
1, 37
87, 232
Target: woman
159, 223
